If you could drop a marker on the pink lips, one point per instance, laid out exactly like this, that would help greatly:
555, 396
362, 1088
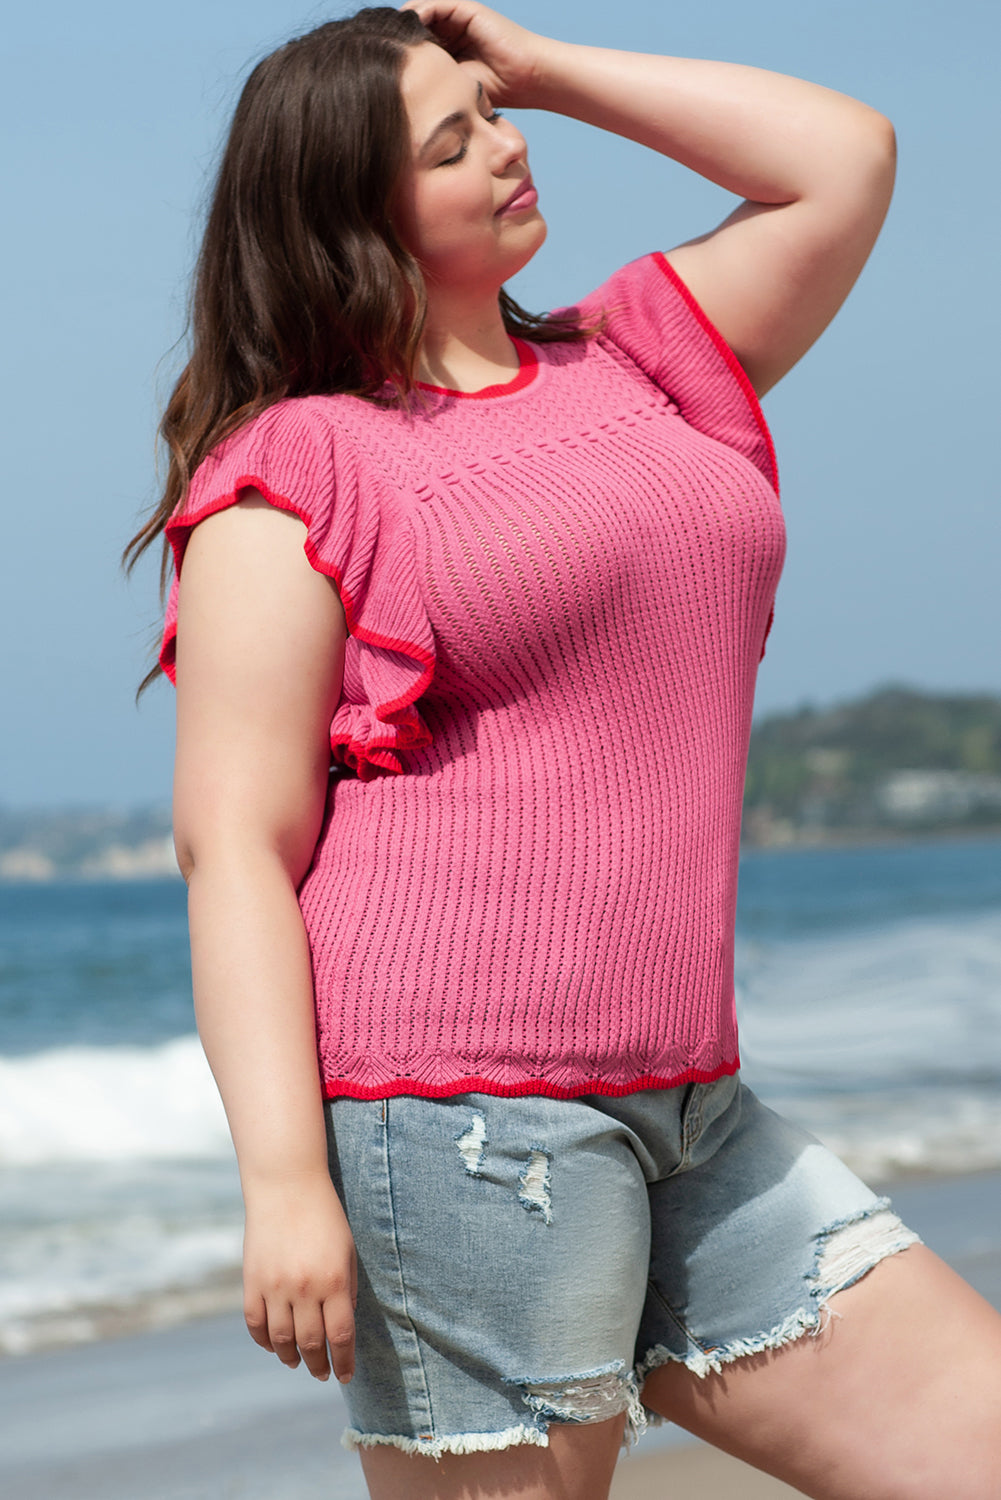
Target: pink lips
524, 196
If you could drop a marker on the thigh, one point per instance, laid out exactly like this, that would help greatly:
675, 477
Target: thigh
502, 1248
577, 1464
785, 1326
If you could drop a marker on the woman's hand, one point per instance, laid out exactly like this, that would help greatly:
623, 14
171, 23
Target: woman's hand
504, 56
300, 1277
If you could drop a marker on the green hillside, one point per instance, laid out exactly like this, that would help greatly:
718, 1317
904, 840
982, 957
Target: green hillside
896, 762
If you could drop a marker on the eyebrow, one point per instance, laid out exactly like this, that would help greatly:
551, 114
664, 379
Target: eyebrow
457, 117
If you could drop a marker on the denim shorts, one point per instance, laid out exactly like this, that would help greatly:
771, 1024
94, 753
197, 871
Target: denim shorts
527, 1261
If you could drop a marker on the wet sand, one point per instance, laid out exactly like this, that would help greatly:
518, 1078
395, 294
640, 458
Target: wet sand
197, 1413
690, 1471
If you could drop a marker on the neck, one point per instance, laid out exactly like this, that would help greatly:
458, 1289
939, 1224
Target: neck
466, 346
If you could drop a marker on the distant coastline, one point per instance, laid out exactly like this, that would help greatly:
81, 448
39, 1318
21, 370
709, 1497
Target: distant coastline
895, 765
86, 844
798, 840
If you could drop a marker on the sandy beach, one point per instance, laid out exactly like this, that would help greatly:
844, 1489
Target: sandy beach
196, 1413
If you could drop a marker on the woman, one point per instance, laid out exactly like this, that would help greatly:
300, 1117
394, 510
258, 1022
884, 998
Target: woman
518, 576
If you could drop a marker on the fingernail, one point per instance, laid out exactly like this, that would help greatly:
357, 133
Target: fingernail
344, 1379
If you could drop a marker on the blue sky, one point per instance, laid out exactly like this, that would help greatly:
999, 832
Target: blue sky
886, 432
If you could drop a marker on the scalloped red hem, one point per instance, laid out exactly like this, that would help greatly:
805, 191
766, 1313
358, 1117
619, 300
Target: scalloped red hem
474, 1084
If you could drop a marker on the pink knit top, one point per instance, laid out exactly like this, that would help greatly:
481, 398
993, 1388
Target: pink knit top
557, 592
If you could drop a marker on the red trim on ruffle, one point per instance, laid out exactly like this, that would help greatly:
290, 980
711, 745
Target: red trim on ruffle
362, 759
362, 755
474, 1084
410, 736
768, 631
739, 373
528, 362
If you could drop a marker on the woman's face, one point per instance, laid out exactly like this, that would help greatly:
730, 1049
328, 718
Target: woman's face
466, 208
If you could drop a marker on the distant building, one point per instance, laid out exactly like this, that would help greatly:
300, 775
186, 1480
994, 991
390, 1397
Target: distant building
936, 796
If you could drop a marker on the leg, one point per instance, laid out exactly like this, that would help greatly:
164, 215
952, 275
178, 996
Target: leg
577, 1465
897, 1398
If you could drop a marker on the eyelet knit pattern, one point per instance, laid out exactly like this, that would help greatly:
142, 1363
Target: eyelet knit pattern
557, 596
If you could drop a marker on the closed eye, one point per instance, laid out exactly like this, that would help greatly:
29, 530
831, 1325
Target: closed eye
451, 160
491, 119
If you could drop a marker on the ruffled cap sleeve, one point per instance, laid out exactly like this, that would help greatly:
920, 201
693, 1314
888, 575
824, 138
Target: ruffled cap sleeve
299, 463
649, 313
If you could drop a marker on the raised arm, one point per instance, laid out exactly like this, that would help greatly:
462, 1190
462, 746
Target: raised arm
260, 647
814, 167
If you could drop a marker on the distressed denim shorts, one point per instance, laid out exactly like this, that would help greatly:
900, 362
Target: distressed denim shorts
528, 1261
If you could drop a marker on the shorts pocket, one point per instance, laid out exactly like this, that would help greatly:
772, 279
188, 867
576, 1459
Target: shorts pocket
705, 1104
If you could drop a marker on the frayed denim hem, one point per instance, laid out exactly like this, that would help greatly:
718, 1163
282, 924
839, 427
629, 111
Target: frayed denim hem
594, 1396
846, 1251
460, 1442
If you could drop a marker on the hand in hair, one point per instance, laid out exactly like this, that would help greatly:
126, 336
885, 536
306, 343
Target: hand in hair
505, 57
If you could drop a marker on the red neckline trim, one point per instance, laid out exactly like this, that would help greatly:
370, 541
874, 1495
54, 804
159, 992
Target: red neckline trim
528, 362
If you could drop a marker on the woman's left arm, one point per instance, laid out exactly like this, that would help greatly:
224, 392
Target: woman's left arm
814, 167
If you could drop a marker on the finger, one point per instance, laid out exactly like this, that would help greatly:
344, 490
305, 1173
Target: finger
281, 1331
339, 1325
311, 1340
255, 1315
449, 22
454, 11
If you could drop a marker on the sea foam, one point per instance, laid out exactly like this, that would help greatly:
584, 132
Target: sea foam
884, 1042
111, 1104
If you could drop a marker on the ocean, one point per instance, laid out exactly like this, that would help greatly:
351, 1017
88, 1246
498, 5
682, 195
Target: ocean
869, 993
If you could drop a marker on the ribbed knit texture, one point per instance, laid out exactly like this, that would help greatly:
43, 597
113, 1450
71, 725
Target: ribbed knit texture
557, 594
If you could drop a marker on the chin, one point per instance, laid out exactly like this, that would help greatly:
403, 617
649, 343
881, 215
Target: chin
532, 244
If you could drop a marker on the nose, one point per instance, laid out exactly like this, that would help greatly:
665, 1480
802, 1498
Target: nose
509, 145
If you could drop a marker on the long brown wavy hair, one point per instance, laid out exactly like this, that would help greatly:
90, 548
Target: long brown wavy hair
302, 286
